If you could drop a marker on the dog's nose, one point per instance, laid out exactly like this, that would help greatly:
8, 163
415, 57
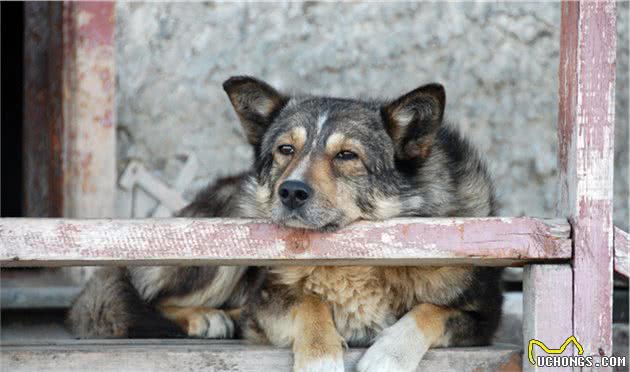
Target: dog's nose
294, 194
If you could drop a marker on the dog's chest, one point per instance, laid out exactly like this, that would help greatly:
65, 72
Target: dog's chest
360, 298
365, 300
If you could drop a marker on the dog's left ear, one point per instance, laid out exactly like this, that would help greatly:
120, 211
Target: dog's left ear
413, 120
256, 103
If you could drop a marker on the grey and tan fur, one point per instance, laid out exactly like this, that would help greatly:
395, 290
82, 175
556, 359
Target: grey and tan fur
322, 163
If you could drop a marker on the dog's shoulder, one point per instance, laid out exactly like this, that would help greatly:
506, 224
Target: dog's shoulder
453, 180
222, 198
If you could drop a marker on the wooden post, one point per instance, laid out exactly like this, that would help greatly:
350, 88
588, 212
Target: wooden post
585, 132
547, 310
89, 111
43, 137
69, 113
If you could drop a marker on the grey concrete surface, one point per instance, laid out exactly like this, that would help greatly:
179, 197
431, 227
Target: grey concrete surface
499, 63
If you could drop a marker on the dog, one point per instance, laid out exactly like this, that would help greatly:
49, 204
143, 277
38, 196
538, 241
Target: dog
322, 163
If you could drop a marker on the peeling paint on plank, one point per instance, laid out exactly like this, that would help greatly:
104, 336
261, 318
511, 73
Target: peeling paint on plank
585, 132
480, 241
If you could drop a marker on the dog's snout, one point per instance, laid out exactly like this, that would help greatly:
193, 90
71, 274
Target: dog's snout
294, 194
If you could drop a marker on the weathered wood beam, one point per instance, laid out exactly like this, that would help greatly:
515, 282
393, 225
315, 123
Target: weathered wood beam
207, 355
89, 77
43, 131
419, 241
547, 310
622, 252
585, 133
69, 109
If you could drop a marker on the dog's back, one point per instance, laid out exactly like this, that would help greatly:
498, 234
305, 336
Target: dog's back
127, 301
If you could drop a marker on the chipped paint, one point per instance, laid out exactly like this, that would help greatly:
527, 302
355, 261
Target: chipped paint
486, 241
585, 132
89, 109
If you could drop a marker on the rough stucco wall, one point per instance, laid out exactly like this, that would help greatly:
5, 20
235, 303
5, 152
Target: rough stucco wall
498, 62
622, 130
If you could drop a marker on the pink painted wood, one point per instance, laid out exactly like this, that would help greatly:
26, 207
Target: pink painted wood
622, 252
89, 115
547, 309
479, 241
585, 133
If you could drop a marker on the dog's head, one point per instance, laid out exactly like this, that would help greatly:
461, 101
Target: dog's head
322, 163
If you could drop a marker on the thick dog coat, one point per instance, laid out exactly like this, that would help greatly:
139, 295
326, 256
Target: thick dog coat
322, 163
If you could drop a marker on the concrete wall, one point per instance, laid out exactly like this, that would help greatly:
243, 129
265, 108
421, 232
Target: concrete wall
499, 64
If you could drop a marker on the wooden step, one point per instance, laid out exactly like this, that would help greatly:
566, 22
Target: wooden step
209, 355
36, 288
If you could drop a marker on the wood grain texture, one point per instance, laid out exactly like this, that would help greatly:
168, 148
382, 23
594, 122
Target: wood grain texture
69, 113
622, 252
43, 136
547, 309
419, 241
585, 133
88, 108
205, 355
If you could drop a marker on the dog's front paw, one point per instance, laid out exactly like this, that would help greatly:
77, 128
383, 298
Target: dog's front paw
322, 364
398, 348
211, 324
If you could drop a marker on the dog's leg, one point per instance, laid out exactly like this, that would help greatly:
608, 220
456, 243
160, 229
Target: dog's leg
316, 346
402, 346
303, 322
200, 321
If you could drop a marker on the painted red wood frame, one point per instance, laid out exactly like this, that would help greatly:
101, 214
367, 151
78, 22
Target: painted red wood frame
622, 252
585, 134
419, 241
69, 113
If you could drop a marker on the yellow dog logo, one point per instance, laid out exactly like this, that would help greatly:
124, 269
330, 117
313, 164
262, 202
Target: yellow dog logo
560, 350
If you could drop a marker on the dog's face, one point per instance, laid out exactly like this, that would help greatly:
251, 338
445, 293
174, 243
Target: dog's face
325, 162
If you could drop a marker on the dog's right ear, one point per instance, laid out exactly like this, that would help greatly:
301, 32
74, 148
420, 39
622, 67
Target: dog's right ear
256, 103
413, 120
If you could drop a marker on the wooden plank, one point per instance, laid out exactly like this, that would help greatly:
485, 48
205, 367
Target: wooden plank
37, 288
547, 310
622, 252
206, 355
479, 241
585, 133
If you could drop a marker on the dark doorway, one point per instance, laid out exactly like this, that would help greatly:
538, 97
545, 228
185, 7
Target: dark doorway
12, 104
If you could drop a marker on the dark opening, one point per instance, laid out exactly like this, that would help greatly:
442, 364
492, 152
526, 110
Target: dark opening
12, 103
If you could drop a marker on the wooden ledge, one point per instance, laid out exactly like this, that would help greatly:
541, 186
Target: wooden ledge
208, 355
414, 241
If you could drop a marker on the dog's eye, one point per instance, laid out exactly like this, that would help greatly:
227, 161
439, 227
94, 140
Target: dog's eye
286, 149
346, 155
